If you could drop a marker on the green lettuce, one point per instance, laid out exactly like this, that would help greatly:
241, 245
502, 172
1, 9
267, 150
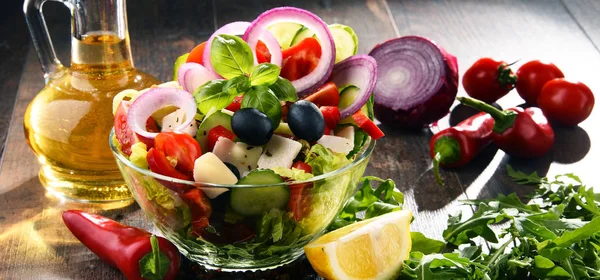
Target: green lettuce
292, 173
322, 160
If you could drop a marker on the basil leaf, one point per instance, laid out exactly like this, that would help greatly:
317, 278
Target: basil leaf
231, 56
264, 74
237, 85
211, 95
263, 99
284, 90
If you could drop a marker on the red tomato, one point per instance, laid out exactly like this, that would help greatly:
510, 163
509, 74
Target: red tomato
178, 150
123, 132
566, 102
533, 75
196, 54
301, 59
326, 95
216, 132
302, 166
262, 53
488, 80
235, 104
331, 114
367, 125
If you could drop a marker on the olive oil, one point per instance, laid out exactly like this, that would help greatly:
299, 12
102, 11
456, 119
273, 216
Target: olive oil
68, 123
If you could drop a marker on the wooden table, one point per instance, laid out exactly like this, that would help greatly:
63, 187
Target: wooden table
34, 244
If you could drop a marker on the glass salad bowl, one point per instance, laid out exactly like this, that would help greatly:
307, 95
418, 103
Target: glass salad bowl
201, 221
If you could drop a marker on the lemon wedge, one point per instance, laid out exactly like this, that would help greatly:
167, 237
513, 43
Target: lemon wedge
371, 249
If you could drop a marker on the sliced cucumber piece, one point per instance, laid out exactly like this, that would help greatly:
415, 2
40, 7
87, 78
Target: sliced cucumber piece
347, 97
284, 32
251, 201
302, 34
346, 41
180, 61
213, 120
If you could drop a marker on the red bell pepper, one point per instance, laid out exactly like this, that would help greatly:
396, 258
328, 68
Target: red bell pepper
331, 114
135, 252
236, 104
519, 132
367, 125
200, 208
456, 146
326, 95
215, 133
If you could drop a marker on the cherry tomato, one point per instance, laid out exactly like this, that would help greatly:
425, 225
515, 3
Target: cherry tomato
532, 76
488, 80
366, 124
566, 102
326, 95
300, 194
302, 166
196, 54
200, 209
331, 114
125, 134
215, 133
301, 59
262, 53
236, 104
174, 155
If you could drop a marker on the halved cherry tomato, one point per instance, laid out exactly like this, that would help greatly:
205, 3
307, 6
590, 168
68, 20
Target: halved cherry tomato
331, 114
196, 54
235, 104
262, 53
301, 59
326, 95
158, 163
179, 148
367, 125
566, 102
125, 134
533, 75
302, 166
215, 133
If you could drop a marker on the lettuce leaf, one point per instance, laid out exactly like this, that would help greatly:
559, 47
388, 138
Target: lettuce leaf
293, 173
322, 160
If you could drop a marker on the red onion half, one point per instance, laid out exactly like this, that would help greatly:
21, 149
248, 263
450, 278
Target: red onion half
320, 74
360, 71
153, 100
417, 81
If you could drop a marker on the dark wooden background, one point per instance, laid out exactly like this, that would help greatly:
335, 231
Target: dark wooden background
34, 244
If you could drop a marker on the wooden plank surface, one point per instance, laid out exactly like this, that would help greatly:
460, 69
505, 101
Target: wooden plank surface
34, 242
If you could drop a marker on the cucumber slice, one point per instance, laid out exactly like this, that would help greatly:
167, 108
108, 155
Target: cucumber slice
346, 41
302, 34
209, 122
252, 201
284, 32
180, 61
347, 97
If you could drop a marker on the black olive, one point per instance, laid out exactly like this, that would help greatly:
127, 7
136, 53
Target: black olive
252, 126
233, 169
306, 121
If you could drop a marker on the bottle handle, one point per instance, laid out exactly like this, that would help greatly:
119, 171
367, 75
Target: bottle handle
41, 38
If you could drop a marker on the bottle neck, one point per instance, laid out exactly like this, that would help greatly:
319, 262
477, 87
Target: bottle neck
100, 39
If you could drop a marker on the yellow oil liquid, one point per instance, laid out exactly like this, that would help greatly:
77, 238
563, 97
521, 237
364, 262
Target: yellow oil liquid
68, 123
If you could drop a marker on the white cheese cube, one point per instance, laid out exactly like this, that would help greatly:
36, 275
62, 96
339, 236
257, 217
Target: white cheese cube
175, 119
346, 132
279, 152
241, 155
336, 144
208, 168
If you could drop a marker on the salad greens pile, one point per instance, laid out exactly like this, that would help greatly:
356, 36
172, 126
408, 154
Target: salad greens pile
556, 235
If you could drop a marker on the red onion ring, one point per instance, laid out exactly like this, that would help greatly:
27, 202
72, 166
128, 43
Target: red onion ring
271, 43
317, 77
360, 71
192, 75
234, 28
153, 100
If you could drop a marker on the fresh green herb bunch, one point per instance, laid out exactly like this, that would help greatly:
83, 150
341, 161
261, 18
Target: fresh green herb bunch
554, 236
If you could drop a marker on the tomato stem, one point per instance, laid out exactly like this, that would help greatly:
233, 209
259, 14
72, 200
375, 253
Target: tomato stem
503, 120
506, 78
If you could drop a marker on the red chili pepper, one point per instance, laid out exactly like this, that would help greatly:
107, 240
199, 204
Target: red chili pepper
456, 146
518, 132
135, 252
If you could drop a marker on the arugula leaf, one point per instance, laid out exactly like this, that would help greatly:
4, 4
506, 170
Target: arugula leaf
440, 267
264, 74
211, 96
154, 265
522, 178
263, 99
459, 232
425, 245
284, 90
231, 56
